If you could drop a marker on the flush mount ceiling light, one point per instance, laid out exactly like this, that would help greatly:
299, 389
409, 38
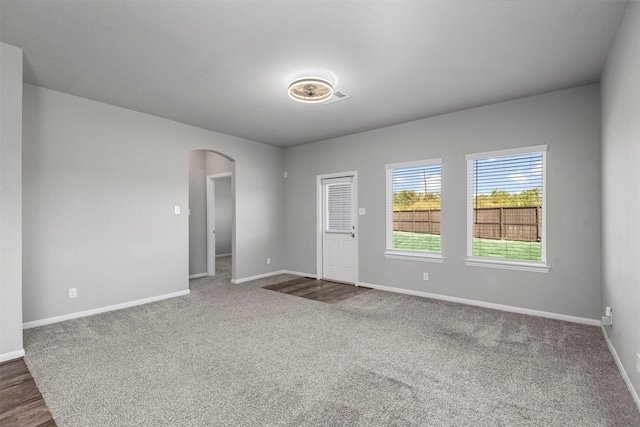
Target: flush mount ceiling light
310, 90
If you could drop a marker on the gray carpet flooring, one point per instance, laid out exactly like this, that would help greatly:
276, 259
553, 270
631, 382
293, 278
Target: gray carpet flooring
239, 355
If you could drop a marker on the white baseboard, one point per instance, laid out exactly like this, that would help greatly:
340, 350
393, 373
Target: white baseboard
11, 355
297, 273
501, 307
259, 276
273, 273
623, 372
56, 319
221, 255
195, 276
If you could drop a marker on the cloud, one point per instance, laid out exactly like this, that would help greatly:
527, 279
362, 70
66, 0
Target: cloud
536, 169
434, 183
518, 177
417, 182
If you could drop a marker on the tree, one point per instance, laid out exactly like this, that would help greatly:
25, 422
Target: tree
430, 201
404, 199
502, 198
531, 197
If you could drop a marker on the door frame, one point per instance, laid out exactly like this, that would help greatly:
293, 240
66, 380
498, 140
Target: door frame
211, 220
320, 225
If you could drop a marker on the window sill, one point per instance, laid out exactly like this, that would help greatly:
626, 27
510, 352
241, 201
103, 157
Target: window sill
507, 265
412, 256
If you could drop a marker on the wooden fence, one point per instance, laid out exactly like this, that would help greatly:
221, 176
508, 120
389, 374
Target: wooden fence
519, 223
417, 221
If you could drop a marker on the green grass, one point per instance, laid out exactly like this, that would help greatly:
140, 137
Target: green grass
530, 251
416, 241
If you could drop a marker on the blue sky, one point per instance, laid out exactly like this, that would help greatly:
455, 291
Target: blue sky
416, 178
513, 174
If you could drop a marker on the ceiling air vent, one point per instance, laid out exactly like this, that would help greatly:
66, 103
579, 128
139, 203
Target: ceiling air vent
338, 95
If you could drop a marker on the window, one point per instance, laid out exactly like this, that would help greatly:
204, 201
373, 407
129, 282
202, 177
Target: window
414, 210
506, 223
338, 215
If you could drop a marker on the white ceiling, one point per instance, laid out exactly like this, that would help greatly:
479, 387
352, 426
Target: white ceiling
225, 66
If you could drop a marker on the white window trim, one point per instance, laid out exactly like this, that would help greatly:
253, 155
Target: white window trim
506, 264
503, 263
414, 255
405, 254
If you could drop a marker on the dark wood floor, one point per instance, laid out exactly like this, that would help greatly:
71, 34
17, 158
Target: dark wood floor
21, 404
318, 290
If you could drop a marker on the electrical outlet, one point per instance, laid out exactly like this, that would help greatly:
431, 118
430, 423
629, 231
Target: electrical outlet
268, 260
425, 276
72, 293
638, 362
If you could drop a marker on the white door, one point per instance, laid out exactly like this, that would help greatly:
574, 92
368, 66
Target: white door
338, 230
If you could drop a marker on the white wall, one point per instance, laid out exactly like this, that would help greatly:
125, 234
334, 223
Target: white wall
216, 163
10, 202
620, 196
568, 121
198, 216
98, 214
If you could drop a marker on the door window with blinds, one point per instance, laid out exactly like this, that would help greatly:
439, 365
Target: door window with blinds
506, 223
338, 214
414, 215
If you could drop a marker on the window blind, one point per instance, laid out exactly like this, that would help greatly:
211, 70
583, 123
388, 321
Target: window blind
414, 208
506, 195
339, 216
507, 181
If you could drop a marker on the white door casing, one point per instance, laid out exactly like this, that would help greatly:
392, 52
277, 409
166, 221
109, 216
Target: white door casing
337, 227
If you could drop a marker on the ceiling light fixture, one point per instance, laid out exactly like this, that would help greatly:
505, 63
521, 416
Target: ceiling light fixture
310, 90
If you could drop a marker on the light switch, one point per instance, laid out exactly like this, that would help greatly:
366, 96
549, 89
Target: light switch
176, 210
